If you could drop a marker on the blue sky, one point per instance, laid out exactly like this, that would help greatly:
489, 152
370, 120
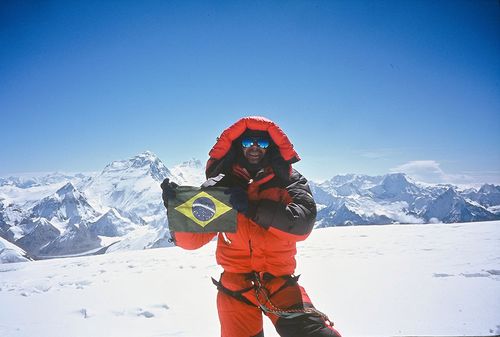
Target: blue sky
359, 86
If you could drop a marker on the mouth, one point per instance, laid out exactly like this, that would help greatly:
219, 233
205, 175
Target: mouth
254, 158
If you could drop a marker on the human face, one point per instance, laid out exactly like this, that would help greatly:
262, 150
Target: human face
254, 154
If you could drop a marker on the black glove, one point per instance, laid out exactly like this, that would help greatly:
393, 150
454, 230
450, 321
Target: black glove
168, 190
238, 198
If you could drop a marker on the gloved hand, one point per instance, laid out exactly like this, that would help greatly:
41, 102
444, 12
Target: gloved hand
238, 198
168, 190
254, 186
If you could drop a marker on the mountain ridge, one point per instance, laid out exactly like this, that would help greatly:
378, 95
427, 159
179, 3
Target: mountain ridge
72, 214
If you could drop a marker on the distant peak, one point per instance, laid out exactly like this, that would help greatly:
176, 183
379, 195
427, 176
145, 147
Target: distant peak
66, 189
145, 158
146, 155
489, 188
112, 213
450, 192
397, 178
193, 162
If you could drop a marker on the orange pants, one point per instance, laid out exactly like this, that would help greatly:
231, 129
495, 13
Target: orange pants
240, 319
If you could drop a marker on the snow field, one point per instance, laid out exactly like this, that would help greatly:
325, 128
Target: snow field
371, 281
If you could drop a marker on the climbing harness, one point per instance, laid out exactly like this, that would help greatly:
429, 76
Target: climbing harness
264, 298
283, 313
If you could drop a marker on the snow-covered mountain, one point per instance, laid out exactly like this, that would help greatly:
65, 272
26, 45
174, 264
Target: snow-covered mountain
451, 207
4, 227
66, 206
395, 198
396, 187
38, 234
10, 253
114, 223
488, 195
36, 180
349, 184
79, 214
57, 224
77, 239
120, 208
133, 186
190, 173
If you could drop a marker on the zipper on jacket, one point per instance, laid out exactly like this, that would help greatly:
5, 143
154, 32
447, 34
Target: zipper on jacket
250, 246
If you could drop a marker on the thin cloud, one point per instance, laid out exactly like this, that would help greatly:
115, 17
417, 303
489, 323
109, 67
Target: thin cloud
430, 171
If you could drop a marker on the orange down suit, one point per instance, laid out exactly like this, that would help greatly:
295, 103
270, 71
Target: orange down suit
281, 212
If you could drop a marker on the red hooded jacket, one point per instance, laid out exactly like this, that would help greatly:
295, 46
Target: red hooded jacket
283, 209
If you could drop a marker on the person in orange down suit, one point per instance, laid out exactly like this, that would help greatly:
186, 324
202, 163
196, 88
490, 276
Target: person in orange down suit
276, 209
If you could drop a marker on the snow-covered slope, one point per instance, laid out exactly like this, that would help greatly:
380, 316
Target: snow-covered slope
113, 223
412, 280
10, 253
26, 189
190, 173
132, 185
39, 233
66, 206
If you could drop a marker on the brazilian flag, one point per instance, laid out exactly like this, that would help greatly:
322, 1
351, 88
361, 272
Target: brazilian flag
201, 210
